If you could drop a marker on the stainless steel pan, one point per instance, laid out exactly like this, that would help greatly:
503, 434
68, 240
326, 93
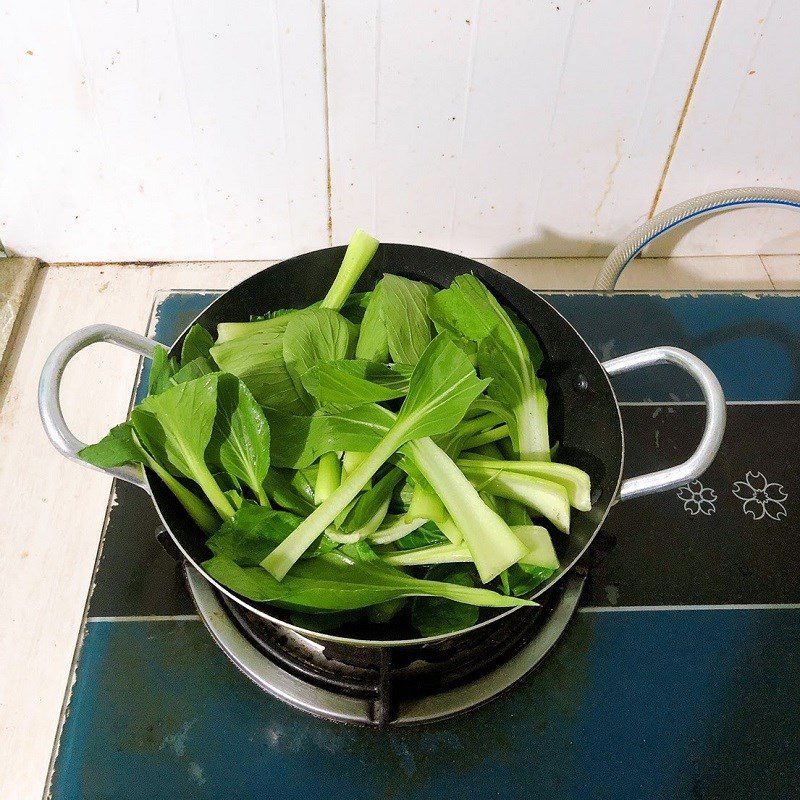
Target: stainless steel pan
584, 413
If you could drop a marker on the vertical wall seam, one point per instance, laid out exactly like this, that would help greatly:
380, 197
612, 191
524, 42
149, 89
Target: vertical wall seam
685, 110
326, 119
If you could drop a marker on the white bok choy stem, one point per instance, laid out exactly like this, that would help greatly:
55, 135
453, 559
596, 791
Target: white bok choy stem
543, 496
432, 554
442, 388
395, 529
359, 253
490, 540
574, 480
535, 538
287, 553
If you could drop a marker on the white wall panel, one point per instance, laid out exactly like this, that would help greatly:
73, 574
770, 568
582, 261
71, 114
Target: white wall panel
151, 130
512, 128
742, 129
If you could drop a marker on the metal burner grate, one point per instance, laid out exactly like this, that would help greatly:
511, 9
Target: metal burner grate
384, 686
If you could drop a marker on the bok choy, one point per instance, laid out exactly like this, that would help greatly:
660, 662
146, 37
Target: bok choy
342, 458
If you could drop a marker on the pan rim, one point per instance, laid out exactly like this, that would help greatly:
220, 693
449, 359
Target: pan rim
427, 640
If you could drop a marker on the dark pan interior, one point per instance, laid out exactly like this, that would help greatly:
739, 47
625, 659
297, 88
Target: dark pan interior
584, 417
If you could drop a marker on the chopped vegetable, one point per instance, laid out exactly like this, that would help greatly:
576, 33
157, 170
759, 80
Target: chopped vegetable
370, 448
491, 542
574, 480
425, 504
405, 317
121, 446
176, 426
162, 369
433, 554
441, 389
336, 582
542, 496
356, 259
342, 385
433, 616
239, 442
257, 358
196, 344
469, 309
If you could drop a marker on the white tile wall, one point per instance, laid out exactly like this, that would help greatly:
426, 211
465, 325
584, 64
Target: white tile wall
504, 129
742, 129
152, 130
146, 130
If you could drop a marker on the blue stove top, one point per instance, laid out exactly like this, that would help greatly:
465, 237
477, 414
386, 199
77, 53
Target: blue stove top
678, 678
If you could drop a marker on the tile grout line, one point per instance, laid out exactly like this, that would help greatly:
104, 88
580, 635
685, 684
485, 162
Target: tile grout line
326, 117
277, 259
135, 618
145, 618
764, 267
683, 608
685, 110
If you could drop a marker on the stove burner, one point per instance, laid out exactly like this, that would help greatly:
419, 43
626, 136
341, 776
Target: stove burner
383, 686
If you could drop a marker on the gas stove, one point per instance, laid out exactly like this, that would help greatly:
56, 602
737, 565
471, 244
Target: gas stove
646, 673
379, 685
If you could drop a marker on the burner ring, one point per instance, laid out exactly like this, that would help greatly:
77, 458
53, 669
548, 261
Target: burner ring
414, 690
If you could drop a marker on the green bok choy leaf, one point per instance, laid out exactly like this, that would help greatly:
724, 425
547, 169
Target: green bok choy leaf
469, 309
441, 389
336, 582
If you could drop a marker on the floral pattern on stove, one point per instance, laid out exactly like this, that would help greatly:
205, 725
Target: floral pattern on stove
761, 498
698, 499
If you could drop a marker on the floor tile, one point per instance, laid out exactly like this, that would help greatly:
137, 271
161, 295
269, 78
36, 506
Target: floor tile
784, 271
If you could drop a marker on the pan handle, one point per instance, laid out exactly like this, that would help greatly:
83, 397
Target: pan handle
55, 425
690, 469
